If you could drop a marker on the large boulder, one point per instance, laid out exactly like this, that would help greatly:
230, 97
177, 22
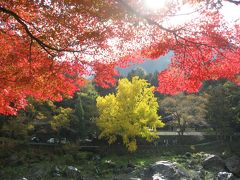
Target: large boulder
165, 170
233, 165
213, 163
225, 176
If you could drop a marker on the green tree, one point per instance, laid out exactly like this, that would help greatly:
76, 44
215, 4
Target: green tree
79, 112
49, 119
61, 120
86, 111
17, 127
140, 72
152, 78
224, 108
187, 110
130, 113
83, 103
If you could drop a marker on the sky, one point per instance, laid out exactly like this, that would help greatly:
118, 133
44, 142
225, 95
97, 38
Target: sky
150, 66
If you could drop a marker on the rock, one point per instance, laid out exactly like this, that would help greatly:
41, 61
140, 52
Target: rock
188, 154
165, 170
96, 158
13, 160
225, 176
56, 169
233, 165
127, 170
56, 172
56, 175
197, 176
213, 163
130, 165
201, 173
110, 164
158, 177
37, 173
2, 173
73, 172
191, 164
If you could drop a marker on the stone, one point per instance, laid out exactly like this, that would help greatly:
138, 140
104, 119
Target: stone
96, 158
188, 154
127, 170
2, 173
131, 165
213, 163
56, 172
14, 160
158, 177
201, 173
37, 173
165, 170
233, 165
56, 175
73, 172
225, 176
110, 164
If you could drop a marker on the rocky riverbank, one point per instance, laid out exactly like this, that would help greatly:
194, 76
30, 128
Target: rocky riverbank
91, 166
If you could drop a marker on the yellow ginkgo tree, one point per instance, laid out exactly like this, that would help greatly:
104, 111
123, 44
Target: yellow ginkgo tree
130, 113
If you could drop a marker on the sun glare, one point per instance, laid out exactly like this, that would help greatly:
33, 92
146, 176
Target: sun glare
154, 4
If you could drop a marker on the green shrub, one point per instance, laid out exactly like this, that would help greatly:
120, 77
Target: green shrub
68, 158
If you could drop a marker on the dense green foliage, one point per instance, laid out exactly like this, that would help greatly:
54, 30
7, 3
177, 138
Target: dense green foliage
55, 119
223, 113
188, 110
216, 108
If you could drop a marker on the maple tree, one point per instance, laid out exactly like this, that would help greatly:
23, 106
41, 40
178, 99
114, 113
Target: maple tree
48, 47
131, 113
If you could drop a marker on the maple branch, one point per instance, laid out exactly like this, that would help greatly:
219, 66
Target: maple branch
193, 42
30, 34
185, 14
235, 2
150, 21
30, 57
30, 50
21, 21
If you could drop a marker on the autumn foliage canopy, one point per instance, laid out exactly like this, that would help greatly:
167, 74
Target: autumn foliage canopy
47, 48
